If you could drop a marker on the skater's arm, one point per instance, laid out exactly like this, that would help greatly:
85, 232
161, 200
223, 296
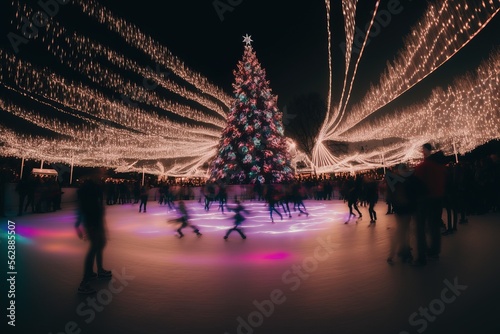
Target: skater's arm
79, 233
78, 222
78, 229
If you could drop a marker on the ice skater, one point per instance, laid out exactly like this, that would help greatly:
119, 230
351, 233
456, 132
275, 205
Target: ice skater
144, 199
272, 199
352, 199
371, 196
284, 200
209, 193
297, 196
222, 197
238, 220
184, 220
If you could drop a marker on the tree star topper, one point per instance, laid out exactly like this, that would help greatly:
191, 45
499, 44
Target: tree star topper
247, 40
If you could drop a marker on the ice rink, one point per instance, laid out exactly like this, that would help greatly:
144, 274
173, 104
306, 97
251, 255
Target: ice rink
302, 274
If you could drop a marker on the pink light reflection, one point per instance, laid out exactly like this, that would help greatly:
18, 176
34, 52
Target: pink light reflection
30, 232
257, 258
268, 256
60, 248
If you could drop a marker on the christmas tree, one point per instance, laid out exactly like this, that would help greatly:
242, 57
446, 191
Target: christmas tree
253, 146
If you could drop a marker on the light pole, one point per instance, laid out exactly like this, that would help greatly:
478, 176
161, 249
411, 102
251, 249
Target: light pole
22, 169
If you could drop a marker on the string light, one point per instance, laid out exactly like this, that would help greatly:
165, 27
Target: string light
134, 129
437, 37
101, 130
444, 30
463, 116
158, 53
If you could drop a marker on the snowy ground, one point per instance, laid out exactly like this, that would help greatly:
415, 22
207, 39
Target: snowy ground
300, 275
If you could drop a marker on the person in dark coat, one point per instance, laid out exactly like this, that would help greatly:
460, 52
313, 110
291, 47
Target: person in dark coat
404, 192
144, 199
432, 173
91, 216
22, 190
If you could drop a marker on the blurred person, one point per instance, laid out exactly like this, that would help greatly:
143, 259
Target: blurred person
162, 196
209, 193
184, 220
91, 216
285, 199
258, 190
168, 196
298, 194
222, 196
352, 198
432, 173
31, 186
238, 220
388, 199
371, 197
22, 190
137, 192
144, 198
452, 197
272, 197
404, 192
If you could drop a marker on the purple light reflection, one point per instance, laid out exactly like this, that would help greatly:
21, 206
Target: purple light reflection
31, 232
254, 258
275, 256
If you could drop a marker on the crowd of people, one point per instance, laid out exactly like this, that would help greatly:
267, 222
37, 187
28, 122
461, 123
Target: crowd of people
418, 196
472, 187
39, 194
413, 194
435, 186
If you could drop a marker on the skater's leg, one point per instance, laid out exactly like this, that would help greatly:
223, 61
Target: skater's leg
371, 211
88, 267
240, 232
229, 232
304, 206
195, 229
349, 204
98, 257
180, 230
356, 208
288, 209
279, 213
